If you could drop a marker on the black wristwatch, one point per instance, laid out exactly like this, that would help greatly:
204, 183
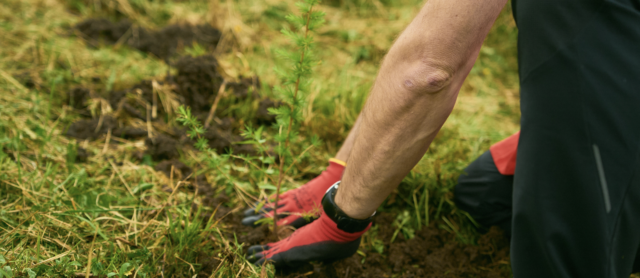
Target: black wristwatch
345, 223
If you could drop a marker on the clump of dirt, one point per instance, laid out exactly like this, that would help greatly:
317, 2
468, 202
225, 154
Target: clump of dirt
133, 101
129, 132
180, 170
263, 116
101, 30
196, 85
162, 43
223, 141
78, 97
162, 147
432, 252
82, 155
198, 82
91, 128
245, 88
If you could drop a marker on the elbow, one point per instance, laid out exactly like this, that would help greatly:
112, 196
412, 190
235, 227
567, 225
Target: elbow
426, 78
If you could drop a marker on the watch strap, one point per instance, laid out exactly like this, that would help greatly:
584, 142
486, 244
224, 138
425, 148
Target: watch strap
344, 222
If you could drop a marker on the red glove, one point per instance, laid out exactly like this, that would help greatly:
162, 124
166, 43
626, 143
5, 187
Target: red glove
318, 241
304, 199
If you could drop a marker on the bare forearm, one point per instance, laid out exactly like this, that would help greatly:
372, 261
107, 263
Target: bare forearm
345, 149
414, 93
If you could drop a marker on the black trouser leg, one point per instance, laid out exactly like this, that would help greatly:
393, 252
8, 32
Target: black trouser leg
485, 193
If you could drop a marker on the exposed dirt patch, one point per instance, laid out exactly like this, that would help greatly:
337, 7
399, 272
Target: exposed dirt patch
180, 170
82, 155
198, 82
129, 132
78, 98
262, 115
196, 85
162, 147
162, 43
246, 87
91, 128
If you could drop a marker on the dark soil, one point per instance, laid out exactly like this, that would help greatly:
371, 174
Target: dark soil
129, 132
180, 170
162, 147
262, 115
198, 82
245, 88
162, 43
78, 97
91, 128
196, 85
82, 155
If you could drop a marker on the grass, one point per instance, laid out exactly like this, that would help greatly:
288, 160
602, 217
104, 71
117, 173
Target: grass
112, 216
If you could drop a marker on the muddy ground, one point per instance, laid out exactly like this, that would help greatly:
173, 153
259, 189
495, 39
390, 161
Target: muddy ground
431, 253
195, 85
162, 43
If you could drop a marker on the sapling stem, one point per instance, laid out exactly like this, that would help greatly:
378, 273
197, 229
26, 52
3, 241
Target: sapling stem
286, 144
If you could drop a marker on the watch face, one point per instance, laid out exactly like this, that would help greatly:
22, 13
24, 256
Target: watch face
342, 222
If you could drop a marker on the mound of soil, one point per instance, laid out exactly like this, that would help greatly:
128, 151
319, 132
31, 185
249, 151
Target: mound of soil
180, 170
78, 98
129, 132
198, 82
101, 30
91, 128
263, 116
195, 85
247, 87
82, 155
162, 43
162, 147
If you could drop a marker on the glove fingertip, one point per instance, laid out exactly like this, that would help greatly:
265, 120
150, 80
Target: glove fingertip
250, 212
251, 220
257, 248
259, 262
300, 222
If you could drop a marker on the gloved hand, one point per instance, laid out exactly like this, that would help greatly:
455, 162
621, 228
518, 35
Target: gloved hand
318, 241
304, 199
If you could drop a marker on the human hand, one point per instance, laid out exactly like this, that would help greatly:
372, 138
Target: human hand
295, 204
321, 240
